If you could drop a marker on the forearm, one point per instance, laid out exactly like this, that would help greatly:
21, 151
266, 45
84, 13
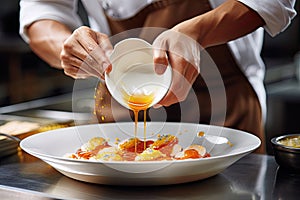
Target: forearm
227, 22
46, 40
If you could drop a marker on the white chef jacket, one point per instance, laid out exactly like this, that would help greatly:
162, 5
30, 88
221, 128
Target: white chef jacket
277, 15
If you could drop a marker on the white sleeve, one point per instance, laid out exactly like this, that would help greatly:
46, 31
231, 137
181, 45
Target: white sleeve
64, 11
277, 14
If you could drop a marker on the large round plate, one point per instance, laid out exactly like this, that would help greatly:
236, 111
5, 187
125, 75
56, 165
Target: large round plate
51, 146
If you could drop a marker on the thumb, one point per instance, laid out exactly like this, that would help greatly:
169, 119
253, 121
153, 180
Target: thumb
160, 61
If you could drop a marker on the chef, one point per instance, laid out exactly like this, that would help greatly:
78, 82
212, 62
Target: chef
230, 31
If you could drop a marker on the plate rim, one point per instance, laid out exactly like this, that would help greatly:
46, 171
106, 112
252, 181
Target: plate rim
64, 159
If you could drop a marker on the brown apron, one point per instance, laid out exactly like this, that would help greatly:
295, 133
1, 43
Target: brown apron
242, 108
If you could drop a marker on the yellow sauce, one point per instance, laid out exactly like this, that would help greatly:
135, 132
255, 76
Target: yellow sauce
137, 102
291, 142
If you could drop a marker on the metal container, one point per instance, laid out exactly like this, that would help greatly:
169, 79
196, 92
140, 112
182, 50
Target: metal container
286, 156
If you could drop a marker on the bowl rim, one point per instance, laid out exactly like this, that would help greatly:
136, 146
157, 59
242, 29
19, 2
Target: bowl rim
118, 53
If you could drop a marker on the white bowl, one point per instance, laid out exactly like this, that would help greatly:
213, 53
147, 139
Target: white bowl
133, 72
51, 147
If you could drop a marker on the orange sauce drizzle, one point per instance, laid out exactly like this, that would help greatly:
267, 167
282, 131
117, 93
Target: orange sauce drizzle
138, 102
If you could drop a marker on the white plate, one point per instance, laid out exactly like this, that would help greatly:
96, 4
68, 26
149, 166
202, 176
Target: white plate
51, 146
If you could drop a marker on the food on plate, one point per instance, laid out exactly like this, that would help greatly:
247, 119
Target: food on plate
108, 154
165, 147
134, 145
192, 151
150, 154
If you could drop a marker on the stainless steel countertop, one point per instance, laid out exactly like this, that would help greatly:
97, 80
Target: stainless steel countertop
25, 177
252, 177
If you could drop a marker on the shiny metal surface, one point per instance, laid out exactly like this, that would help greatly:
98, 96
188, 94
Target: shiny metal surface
25, 177
252, 177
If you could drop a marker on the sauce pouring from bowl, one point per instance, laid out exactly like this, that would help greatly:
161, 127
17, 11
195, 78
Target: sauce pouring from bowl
133, 81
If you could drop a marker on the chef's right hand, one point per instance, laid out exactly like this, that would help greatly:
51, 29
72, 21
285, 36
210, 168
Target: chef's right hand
86, 53
182, 53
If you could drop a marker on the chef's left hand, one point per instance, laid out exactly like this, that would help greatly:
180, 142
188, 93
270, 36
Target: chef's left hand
86, 53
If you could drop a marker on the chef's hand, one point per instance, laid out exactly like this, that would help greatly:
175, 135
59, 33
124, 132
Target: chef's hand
183, 55
85, 53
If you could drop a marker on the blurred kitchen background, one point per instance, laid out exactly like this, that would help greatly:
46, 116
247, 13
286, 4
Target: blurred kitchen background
25, 77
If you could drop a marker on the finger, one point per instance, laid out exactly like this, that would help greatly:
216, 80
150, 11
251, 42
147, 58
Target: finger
169, 99
183, 67
160, 61
192, 73
87, 38
105, 44
71, 65
100, 54
72, 47
160, 48
74, 72
73, 61
68, 59
98, 60
91, 66
183, 78
108, 69
177, 63
175, 92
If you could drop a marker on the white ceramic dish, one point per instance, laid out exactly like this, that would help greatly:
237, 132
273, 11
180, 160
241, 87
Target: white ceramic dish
51, 146
133, 72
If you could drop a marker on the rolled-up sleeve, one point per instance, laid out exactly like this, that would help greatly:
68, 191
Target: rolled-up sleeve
64, 11
277, 14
